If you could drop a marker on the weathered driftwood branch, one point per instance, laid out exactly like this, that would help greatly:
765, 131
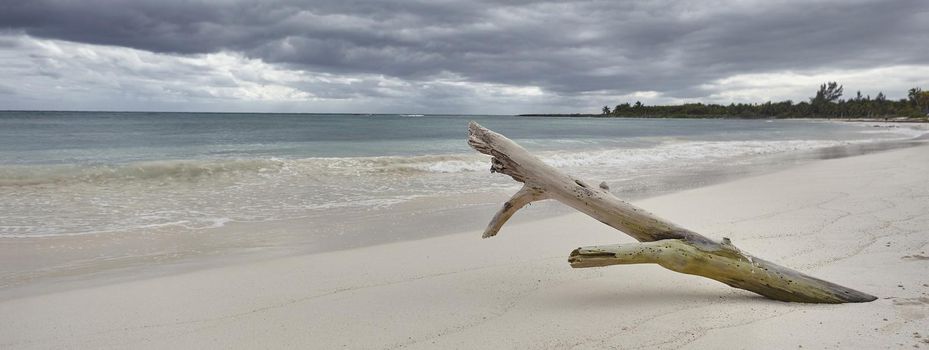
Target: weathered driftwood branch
666, 244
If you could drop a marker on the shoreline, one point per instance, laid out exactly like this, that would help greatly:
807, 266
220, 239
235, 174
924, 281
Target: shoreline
904, 120
850, 220
101, 259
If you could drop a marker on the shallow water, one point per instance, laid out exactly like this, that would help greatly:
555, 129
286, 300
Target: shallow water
68, 173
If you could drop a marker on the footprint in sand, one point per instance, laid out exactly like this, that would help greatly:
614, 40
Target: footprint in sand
914, 257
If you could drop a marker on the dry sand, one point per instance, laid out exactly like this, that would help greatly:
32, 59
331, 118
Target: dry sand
860, 221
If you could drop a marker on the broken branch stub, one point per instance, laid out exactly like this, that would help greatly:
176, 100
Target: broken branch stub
664, 243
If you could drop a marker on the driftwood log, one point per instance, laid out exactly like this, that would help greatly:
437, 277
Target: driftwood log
661, 242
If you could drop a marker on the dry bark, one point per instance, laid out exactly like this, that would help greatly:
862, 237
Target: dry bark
663, 242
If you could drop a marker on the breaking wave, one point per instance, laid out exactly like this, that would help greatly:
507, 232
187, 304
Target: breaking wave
202, 170
24, 175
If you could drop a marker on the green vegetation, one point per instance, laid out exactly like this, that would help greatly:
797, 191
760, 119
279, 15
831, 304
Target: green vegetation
827, 103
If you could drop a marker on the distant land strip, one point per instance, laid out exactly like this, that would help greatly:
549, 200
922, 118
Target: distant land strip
826, 104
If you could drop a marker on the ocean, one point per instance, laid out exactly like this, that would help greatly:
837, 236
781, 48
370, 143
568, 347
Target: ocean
78, 173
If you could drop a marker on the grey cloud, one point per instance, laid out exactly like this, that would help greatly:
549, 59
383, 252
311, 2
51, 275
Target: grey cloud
6, 90
567, 48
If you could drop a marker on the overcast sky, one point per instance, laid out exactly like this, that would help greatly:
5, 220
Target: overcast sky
435, 56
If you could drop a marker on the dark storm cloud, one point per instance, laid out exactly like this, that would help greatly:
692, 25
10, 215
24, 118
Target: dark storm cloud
568, 48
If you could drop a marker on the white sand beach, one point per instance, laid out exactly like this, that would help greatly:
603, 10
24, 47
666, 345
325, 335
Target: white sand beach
861, 221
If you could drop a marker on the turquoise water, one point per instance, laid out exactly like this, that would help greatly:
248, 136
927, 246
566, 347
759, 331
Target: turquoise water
91, 138
66, 173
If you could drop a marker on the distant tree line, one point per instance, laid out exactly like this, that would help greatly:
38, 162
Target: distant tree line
827, 103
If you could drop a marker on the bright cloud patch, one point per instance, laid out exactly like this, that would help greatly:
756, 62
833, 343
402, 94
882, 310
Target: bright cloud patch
893, 81
54, 74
